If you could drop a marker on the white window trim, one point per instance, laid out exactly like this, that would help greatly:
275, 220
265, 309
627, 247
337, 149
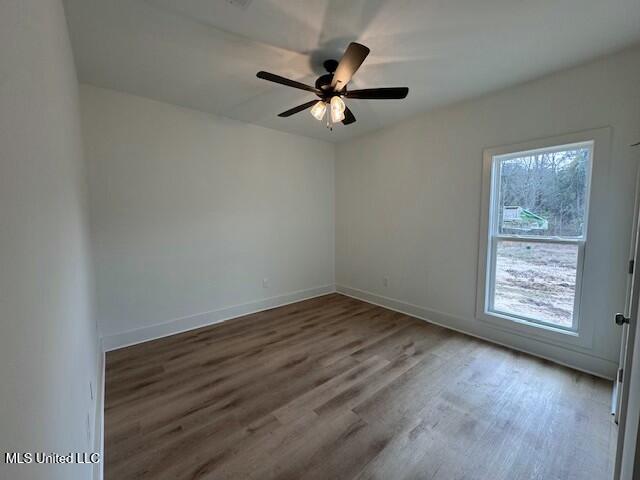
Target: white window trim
582, 334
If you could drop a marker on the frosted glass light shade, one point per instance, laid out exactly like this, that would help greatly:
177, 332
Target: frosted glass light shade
336, 116
337, 109
318, 110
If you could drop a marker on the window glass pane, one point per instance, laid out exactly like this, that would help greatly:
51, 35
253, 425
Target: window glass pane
536, 281
544, 193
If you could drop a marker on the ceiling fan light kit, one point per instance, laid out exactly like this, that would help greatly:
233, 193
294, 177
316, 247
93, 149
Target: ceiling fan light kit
331, 88
319, 109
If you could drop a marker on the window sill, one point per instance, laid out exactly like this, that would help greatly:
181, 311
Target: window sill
537, 331
532, 323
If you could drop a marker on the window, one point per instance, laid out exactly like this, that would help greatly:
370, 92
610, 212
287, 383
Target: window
537, 230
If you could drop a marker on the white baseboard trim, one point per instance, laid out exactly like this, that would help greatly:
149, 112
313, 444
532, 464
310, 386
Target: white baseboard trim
179, 325
593, 365
98, 469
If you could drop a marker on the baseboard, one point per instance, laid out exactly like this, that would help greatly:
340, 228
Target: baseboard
98, 469
593, 365
179, 325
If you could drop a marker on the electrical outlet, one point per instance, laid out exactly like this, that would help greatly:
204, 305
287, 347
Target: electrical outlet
385, 281
265, 283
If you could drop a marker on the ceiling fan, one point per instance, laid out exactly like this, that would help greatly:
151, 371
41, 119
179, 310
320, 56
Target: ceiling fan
331, 88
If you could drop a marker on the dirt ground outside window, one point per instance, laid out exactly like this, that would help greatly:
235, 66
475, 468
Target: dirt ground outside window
536, 280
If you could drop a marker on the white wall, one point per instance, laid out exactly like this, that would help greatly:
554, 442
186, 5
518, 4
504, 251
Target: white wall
48, 342
407, 199
190, 212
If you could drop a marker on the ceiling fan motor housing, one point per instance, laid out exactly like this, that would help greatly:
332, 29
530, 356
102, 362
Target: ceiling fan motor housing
324, 81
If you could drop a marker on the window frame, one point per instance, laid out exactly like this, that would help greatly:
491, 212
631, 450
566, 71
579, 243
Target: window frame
495, 237
581, 334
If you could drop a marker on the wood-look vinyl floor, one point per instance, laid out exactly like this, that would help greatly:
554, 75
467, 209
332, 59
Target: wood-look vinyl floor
335, 388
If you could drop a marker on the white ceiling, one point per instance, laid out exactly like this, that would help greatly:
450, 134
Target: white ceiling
204, 54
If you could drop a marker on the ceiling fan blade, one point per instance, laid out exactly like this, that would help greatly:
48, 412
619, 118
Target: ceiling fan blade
297, 109
348, 117
349, 63
285, 81
392, 93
